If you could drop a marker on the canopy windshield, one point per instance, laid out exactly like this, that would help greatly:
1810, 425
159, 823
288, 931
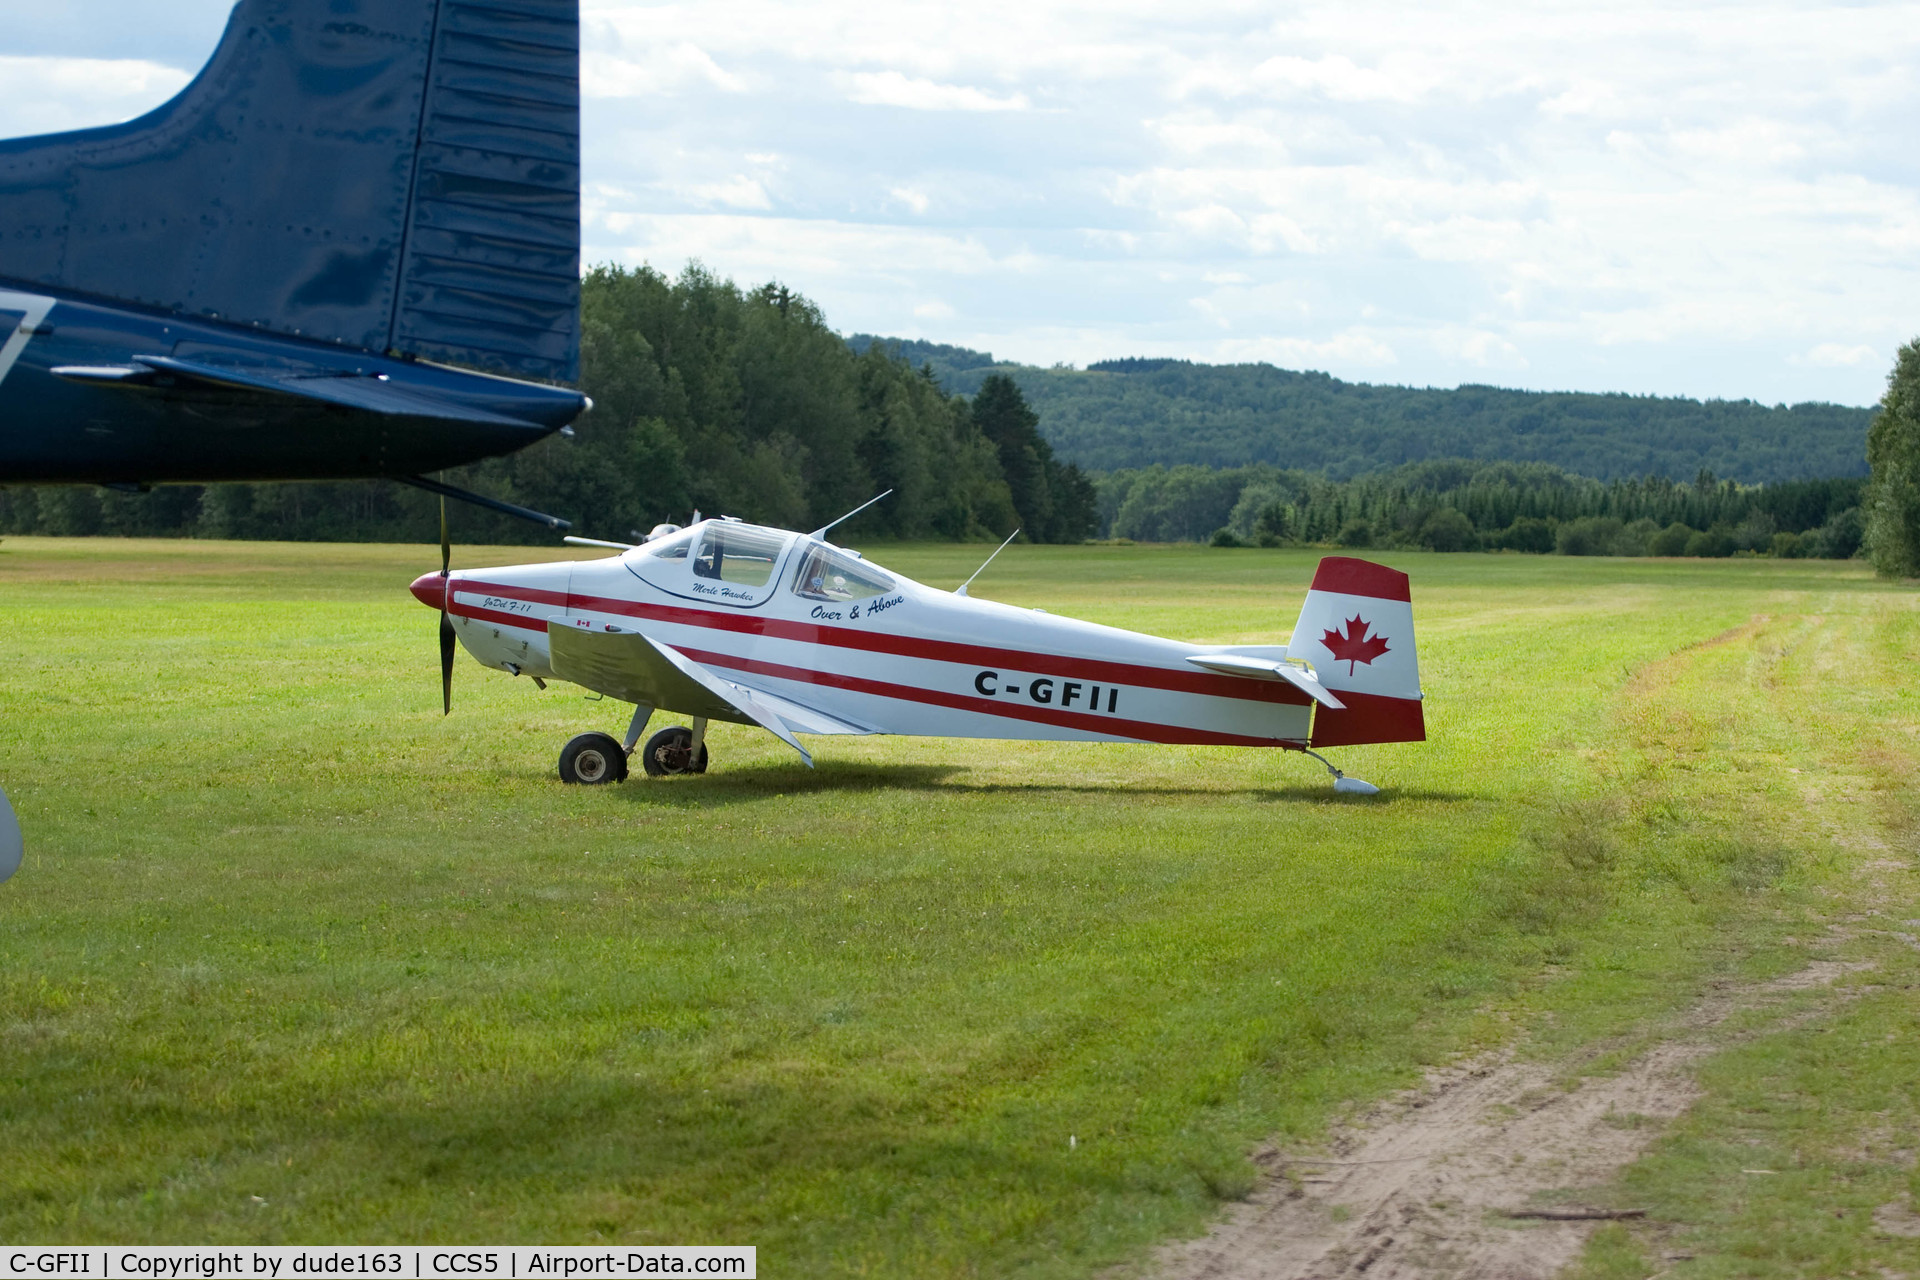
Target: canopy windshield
827, 573
742, 554
672, 547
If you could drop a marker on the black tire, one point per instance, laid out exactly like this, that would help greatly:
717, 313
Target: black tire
593, 758
670, 751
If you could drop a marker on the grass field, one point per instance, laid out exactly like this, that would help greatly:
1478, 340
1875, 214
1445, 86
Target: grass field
295, 959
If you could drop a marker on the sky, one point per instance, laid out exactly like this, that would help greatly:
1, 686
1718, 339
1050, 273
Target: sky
1712, 200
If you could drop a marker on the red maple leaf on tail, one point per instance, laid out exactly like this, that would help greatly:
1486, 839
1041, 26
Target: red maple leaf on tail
1356, 645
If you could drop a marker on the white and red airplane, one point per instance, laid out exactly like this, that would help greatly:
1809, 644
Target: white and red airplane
725, 620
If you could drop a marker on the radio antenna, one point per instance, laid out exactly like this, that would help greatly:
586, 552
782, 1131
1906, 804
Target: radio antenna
984, 563
822, 530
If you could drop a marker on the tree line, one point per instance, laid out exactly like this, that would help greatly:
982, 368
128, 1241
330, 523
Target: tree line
1465, 505
707, 396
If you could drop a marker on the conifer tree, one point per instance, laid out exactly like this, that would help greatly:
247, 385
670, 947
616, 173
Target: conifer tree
1056, 502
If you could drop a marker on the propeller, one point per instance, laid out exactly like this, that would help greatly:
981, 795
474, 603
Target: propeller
447, 640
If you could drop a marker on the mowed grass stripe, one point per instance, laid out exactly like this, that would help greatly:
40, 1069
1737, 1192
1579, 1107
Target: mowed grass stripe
1798, 1161
285, 933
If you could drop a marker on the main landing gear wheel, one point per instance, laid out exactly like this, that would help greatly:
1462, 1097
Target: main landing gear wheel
593, 758
670, 751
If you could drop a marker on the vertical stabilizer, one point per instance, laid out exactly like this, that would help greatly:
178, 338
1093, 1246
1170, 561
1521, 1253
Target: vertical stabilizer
1356, 628
380, 174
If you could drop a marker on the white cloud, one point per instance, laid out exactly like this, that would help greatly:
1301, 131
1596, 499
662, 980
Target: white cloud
794, 248
1337, 77
1480, 348
50, 95
657, 69
738, 192
1835, 355
1351, 349
914, 200
892, 89
1206, 307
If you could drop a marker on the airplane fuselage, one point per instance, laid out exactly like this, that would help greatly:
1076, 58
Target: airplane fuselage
904, 659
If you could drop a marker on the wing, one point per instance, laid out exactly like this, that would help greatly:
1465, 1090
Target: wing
637, 668
1234, 664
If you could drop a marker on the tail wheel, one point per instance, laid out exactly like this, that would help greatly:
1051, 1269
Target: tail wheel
593, 758
670, 751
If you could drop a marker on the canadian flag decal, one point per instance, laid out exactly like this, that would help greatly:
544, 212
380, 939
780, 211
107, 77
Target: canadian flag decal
1356, 645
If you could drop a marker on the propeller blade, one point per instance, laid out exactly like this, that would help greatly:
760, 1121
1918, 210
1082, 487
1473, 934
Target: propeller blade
447, 643
447, 640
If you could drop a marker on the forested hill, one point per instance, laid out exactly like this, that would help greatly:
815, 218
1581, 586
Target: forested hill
1121, 414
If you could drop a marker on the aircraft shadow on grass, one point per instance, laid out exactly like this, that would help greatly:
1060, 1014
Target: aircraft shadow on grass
760, 782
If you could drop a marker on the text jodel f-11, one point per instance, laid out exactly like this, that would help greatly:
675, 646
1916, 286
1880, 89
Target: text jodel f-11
731, 621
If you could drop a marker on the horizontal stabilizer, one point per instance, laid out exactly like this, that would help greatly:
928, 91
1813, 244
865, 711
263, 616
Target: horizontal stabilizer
370, 394
1229, 664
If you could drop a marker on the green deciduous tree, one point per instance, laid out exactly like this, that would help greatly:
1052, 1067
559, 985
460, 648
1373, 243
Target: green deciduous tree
1445, 529
1536, 536
1893, 489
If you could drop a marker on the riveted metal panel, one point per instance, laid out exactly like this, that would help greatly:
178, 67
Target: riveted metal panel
272, 191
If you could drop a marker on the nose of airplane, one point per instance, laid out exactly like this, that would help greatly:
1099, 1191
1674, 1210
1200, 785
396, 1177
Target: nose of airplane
427, 589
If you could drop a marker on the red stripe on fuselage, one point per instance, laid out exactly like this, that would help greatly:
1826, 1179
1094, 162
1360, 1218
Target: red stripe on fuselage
1112, 726
972, 655
496, 617
531, 595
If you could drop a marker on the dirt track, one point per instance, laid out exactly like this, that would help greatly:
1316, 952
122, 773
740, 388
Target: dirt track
1422, 1185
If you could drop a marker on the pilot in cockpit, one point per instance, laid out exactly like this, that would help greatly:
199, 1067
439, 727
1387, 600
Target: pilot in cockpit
820, 579
813, 578
834, 575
